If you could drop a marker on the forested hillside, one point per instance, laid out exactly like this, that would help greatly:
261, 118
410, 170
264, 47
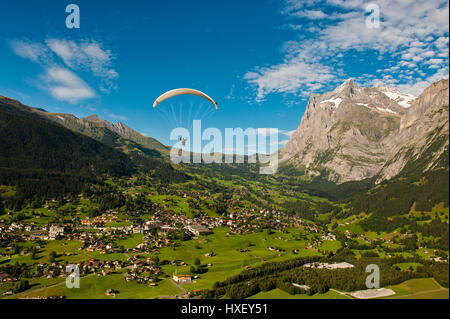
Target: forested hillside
43, 159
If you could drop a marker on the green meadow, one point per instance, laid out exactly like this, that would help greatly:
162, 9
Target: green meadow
94, 287
421, 288
280, 294
228, 260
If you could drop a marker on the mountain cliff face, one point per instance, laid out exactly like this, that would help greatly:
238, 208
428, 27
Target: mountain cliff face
354, 133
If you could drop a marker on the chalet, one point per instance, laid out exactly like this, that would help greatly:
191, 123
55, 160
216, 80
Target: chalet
55, 231
137, 229
329, 236
164, 229
198, 230
8, 292
129, 277
149, 225
4, 277
182, 279
110, 292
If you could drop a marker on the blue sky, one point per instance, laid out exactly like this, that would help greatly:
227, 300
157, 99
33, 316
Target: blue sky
260, 59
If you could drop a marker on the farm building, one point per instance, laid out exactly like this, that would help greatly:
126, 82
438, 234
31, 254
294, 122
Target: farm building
182, 279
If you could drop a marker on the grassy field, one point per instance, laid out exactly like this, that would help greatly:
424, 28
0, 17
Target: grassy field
331, 245
60, 247
228, 260
407, 266
437, 294
422, 288
94, 287
354, 228
35, 283
280, 294
131, 241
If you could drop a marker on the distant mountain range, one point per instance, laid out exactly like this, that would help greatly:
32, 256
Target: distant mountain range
355, 133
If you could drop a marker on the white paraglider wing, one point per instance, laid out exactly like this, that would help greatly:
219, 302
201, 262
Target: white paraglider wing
176, 92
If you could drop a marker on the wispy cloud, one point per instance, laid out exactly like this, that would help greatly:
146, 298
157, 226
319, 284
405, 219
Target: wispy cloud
230, 95
263, 131
87, 55
117, 117
36, 52
296, 75
65, 85
289, 133
61, 58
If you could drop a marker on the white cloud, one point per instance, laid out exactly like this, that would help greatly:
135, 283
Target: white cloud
65, 85
88, 55
417, 87
263, 131
294, 76
289, 133
230, 95
434, 61
428, 54
118, 117
57, 56
311, 14
33, 51
66, 50
405, 39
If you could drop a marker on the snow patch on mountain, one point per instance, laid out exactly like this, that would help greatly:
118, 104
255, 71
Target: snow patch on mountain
386, 110
403, 99
335, 101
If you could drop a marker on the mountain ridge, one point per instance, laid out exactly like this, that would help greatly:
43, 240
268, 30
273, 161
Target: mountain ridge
113, 135
110, 133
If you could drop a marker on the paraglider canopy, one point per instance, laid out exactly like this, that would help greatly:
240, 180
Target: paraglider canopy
182, 91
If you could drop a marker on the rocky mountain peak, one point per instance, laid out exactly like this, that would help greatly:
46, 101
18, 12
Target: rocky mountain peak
94, 118
348, 89
352, 132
